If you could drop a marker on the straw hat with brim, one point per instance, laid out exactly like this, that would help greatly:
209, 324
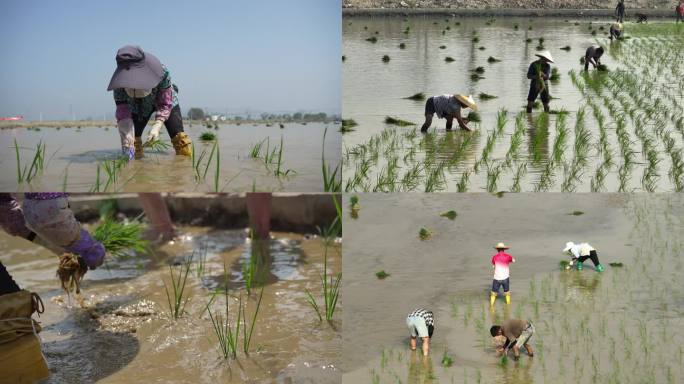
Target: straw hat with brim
468, 101
568, 246
546, 55
136, 69
501, 246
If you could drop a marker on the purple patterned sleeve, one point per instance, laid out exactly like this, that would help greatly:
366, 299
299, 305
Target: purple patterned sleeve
11, 216
122, 112
164, 103
44, 195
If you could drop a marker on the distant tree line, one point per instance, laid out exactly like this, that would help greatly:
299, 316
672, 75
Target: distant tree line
198, 114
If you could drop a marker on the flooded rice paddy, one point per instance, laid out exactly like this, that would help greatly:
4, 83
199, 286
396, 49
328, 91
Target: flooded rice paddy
621, 130
122, 331
619, 326
71, 158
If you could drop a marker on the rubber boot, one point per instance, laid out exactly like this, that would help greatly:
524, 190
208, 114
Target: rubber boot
599, 268
492, 298
182, 144
139, 153
579, 266
529, 107
508, 297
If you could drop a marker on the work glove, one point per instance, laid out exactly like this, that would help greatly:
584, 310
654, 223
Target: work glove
90, 250
154, 132
127, 134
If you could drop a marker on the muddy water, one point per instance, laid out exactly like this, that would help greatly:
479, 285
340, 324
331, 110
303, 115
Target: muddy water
74, 152
619, 326
122, 332
373, 89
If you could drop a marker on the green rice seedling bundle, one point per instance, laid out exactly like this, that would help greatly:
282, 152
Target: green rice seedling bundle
447, 360
492, 59
372, 39
417, 97
451, 215
37, 164
474, 117
385, 59
449, 59
424, 233
397, 121
382, 275
347, 125
119, 238
485, 96
157, 145
462, 185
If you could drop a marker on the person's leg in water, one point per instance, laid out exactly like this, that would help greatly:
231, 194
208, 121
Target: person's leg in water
174, 126
495, 291
506, 288
531, 96
546, 98
259, 211
158, 215
429, 113
593, 255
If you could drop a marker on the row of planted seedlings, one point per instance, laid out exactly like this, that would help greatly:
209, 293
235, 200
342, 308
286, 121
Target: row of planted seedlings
233, 323
598, 328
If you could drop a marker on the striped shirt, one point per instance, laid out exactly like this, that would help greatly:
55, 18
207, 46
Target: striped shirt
425, 314
446, 105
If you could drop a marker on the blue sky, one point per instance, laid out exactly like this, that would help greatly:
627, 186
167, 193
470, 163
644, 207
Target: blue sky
266, 55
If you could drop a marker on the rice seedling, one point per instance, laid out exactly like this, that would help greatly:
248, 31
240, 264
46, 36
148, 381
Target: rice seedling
332, 178
519, 174
331, 285
278, 172
449, 59
474, 117
347, 126
493, 173
385, 59
447, 360
382, 275
201, 263
119, 238
177, 298
451, 215
417, 97
492, 59
402, 46
566, 48
485, 96
256, 148
157, 145
462, 185
424, 234
37, 164
397, 121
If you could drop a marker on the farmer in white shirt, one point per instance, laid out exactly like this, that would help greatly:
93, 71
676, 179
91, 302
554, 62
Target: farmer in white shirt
580, 252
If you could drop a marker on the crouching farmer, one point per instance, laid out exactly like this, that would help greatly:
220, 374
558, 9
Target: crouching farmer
517, 333
581, 252
448, 107
421, 323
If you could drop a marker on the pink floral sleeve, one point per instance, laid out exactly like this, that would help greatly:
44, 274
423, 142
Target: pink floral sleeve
164, 103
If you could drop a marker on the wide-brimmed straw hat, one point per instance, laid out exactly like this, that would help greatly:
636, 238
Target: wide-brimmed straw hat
501, 246
568, 246
545, 55
468, 101
136, 68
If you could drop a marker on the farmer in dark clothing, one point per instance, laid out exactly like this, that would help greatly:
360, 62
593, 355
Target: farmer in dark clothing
680, 12
620, 11
539, 73
593, 56
615, 30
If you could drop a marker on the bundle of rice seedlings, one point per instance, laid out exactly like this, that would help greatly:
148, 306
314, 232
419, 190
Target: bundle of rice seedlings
385, 59
486, 96
492, 59
157, 145
474, 117
614, 264
402, 46
208, 136
451, 215
417, 97
602, 68
395, 121
566, 48
449, 59
372, 39
555, 75
382, 275
347, 125
120, 238
424, 233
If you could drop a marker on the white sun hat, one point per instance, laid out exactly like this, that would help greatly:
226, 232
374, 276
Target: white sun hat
568, 245
468, 101
545, 54
501, 246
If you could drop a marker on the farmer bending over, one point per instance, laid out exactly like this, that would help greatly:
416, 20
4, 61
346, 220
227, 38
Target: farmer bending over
593, 56
679, 11
500, 262
448, 107
421, 323
142, 85
616, 30
581, 252
517, 332
539, 73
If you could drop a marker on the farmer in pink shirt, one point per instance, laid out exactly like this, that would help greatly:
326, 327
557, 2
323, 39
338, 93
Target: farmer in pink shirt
500, 262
